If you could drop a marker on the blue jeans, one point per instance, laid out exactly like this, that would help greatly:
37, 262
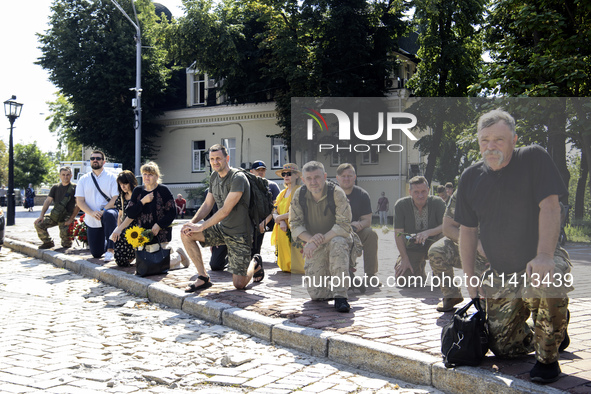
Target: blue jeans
98, 237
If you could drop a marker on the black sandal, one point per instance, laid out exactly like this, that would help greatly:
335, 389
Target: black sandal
193, 287
260, 274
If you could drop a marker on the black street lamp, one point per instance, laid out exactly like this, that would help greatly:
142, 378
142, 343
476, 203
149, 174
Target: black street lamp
12, 110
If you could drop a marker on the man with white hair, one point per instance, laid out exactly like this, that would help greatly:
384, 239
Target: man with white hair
511, 196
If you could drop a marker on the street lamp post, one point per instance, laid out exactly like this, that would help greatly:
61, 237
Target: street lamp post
136, 103
12, 110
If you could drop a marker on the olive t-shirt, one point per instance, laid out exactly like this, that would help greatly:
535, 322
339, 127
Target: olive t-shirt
58, 192
237, 223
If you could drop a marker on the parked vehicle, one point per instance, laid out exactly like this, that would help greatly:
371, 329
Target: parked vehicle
80, 168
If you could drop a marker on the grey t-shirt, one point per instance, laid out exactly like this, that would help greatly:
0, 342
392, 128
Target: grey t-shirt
237, 223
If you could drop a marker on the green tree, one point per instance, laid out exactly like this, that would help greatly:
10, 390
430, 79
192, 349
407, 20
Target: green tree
89, 52
579, 195
31, 165
279, 49
3, 164
235, 26
541, 48
68, 147
330, 48
450, 53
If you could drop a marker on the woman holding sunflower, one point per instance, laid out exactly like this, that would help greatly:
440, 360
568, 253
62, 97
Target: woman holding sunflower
153, 208
126, 182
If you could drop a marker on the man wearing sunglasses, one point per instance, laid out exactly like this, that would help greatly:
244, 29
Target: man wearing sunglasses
96, 193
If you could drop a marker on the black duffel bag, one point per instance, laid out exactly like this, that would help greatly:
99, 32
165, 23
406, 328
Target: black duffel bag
464, 340
153, 263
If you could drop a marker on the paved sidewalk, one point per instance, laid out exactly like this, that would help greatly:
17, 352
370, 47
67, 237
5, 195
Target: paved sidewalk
389, 331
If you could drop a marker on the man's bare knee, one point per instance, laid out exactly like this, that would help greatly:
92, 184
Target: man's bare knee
240, 282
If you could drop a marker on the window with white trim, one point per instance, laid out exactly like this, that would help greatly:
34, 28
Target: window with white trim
278, 152
198, 89
199, 153
335, 159
370, 157
230, 144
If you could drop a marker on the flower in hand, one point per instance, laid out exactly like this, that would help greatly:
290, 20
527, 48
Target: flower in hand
138, 236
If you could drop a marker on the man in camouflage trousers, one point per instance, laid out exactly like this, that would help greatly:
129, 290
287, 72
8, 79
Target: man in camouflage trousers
509, 201
325, 226
63, 213
444, 256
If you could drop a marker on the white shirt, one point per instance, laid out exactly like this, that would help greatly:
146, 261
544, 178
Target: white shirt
94, 199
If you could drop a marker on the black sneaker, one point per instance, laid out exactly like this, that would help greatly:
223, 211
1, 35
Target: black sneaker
566, 341
545, 373
341, 305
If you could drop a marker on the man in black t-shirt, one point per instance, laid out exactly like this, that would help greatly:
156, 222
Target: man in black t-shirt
512, 196
361, 214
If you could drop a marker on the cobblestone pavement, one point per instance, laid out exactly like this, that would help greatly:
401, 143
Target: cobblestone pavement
63, 333
385, 316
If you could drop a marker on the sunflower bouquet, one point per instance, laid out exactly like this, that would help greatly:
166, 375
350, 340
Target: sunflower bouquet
138, 236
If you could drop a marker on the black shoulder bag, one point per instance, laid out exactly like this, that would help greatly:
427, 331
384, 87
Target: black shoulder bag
464, 340
153, 263
98, 188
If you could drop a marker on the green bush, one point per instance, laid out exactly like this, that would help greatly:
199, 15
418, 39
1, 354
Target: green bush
578, 232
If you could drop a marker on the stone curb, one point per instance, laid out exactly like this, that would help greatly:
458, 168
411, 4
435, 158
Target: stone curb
405, 364
476, 380
205, 309
162, 294
250, 322
388, 360
305, 339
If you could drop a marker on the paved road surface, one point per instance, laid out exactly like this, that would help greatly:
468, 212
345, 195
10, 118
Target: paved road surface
63, 333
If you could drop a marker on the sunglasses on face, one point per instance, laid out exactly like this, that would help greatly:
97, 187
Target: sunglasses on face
96, 158
284, 174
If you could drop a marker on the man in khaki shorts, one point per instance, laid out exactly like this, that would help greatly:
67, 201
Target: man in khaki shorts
229, 226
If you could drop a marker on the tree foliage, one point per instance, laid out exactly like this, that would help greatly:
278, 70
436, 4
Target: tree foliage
541, 48
31, 165
450, 53
279, 49
330, 48
3, 164
68, 147
89, 52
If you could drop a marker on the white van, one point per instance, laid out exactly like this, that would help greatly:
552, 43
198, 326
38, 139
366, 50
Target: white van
80, 168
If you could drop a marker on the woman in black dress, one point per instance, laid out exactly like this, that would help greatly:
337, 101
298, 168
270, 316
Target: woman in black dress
152, 207
126, 183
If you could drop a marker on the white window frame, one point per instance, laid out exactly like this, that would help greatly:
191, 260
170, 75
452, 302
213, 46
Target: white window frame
335, 159
230, 144
198, 87
369, 158
198, 156
279, 152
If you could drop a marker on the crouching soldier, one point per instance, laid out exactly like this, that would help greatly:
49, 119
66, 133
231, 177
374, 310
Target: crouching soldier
320, 216
63, 213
